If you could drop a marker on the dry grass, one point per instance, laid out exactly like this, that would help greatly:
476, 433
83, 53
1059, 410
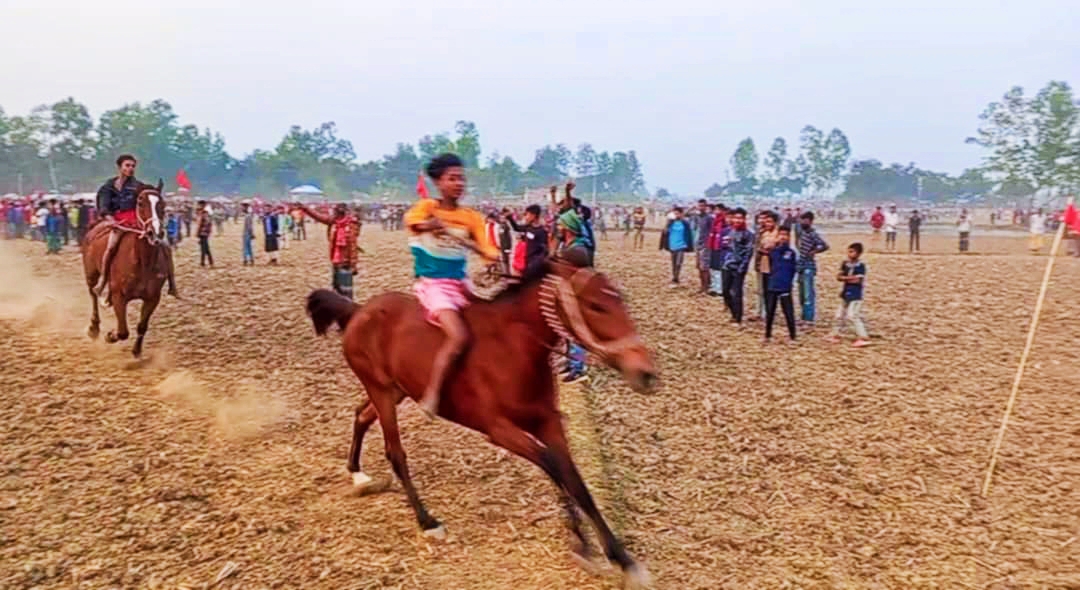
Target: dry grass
812, 466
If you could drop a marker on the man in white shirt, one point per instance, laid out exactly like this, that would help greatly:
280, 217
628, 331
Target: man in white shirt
1037, 225
892, 219
963, 226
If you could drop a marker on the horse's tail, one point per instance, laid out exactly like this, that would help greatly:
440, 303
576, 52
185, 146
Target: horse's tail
326, 307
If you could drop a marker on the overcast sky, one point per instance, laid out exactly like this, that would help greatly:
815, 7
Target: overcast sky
679, 81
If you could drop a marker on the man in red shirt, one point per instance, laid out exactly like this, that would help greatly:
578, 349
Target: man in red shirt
877, 221
344, 231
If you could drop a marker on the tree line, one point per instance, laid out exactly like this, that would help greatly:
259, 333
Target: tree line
60, 147
1032, 148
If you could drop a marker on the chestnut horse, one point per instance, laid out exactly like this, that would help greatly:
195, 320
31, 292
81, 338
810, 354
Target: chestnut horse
138, 267
503, 385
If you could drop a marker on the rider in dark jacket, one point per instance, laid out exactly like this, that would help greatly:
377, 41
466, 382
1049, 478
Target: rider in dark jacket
117, 200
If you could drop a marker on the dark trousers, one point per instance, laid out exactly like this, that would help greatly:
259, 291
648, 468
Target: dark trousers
965, 243
204, 251
784, 298
913, 242
676, 264
342, 281
733, 293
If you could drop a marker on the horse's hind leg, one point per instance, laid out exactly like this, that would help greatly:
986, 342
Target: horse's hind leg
386, 407
148, 307
95, 317
364, 417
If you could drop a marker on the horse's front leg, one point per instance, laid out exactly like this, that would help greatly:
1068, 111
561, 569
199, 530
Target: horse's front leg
119, 306
148, 307
95, 317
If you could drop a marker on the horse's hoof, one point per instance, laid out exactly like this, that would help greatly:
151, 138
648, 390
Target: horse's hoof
438, 533
363, 484
93, 332
110, 337
585, 562
636, 577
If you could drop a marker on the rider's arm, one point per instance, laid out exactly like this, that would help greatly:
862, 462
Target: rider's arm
420, 217
104, 200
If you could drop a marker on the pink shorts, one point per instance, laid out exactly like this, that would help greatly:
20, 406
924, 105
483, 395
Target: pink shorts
440, 295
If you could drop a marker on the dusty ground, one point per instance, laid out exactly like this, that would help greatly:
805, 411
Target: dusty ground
753, 467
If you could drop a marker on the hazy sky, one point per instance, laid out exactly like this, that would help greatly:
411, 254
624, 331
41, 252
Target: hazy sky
679, 81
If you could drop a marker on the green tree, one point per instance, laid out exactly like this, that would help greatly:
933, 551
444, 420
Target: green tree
467, 145
835, 153
745, 160
776, 159
551, 164
585, 160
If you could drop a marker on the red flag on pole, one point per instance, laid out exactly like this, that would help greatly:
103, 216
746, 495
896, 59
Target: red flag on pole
421, 186
1072, 218
182, 179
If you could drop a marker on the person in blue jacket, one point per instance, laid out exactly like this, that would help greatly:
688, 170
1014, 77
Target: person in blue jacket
677, 238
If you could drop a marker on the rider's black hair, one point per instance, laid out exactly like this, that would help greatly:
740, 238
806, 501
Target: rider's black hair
124, 158
439, 164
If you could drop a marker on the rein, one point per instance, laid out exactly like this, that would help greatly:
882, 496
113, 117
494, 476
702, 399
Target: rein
145, 229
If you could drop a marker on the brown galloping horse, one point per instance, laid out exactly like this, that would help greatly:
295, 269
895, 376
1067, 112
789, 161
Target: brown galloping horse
138, 268
502, 385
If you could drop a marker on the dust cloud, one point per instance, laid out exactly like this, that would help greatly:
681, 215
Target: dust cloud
45, 303
243, 413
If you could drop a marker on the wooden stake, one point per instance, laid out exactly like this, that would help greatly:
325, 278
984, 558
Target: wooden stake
1024, 356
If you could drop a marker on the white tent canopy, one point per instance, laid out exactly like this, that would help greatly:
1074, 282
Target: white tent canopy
307, 190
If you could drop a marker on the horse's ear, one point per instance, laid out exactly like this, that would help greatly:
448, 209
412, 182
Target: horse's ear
160, 185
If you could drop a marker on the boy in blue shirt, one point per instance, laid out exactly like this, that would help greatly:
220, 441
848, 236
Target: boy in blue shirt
782, 262
853, 275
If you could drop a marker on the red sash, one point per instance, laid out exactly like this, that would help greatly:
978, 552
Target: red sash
127, 218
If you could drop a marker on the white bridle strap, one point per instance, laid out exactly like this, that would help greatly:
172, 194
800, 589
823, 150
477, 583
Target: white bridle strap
557, 292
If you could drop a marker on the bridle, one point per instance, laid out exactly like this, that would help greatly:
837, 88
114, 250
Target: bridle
146, 228
561, 294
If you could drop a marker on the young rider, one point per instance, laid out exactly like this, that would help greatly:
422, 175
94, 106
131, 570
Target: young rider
443, 234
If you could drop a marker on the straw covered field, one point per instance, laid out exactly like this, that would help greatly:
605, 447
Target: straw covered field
219, 462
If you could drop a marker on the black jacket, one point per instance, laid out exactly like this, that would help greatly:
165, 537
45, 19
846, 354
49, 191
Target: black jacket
536, 242
689, 235
110, 200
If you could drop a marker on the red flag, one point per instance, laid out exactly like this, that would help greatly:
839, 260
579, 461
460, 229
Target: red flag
1072, 218
182, 179
421, 186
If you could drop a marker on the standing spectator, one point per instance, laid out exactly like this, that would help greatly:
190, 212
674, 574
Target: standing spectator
186, 217
702, 231
284, 222
172, 228
892, 220
677, 239
781, 279
810, 245
601, 224
638, 218
82, 220
717, 250
738, 241
1037, 226
54, 226
344, 231
247, 234
877, 221
534, 238
65, 226
914, 224
270, 235
205, 226
766, 238
963, 227
41, 216
853, 275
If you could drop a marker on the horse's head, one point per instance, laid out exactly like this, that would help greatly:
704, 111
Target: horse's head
150, 207
592, 311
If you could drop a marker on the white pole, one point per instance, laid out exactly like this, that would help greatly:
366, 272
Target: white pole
1024, 355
